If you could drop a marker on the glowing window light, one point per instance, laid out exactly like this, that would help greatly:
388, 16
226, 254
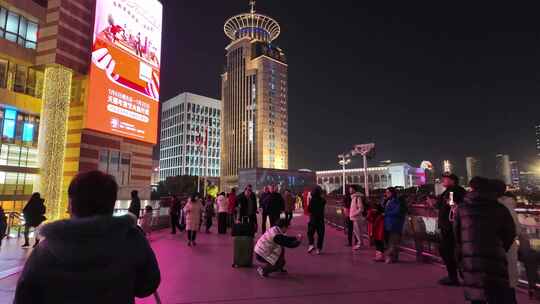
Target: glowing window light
10, 116
28, 132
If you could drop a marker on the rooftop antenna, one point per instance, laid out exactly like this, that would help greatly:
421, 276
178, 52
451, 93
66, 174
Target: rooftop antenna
252, 4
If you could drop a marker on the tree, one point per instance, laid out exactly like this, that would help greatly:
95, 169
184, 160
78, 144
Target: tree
180, 184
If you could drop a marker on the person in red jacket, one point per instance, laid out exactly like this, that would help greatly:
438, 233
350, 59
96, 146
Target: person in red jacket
306, 196
231, 198
375, 219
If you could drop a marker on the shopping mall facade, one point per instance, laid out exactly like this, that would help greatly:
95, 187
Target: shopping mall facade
51, 125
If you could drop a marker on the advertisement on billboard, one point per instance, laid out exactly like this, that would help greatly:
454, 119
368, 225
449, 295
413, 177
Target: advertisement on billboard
123, 94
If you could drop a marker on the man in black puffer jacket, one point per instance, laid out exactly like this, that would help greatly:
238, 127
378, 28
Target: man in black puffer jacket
447, 244
484, 231
92, 257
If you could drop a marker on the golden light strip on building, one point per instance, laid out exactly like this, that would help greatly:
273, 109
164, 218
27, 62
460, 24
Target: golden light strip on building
52, 139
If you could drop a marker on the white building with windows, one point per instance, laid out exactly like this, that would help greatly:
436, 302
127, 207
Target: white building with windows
185, 120
391, 175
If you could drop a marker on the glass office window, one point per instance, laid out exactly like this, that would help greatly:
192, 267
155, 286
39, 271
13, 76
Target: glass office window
115, 162
103, 160
23, 25
9, 123
12, 26
3, 17
20, 79
28, 132
31, 35
18, 29
3, 73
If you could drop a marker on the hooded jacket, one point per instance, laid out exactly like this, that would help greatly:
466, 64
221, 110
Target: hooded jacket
484, 232
100, 259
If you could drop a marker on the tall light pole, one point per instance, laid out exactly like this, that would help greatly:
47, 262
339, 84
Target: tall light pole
344, 160
364, 150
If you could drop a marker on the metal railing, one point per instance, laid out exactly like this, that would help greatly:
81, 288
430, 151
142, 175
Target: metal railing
421, 235
14, 220
160, 218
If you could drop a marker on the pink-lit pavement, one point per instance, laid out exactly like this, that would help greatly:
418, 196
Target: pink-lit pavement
204, 275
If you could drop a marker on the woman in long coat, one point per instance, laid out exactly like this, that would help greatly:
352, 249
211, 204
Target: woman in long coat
193, 212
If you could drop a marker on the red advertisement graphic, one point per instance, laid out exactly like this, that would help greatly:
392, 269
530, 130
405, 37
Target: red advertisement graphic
124, 75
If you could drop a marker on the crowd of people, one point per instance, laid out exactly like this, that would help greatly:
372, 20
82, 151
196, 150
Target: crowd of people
189, 214
479, 233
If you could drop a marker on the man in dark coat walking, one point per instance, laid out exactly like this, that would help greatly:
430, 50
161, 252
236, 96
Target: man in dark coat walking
264, 201
275, 206
454, 193
135, 205
34, 215
247, 201
484, 231
93, 257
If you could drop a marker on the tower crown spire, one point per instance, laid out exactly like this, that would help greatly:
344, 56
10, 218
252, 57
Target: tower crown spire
253, 25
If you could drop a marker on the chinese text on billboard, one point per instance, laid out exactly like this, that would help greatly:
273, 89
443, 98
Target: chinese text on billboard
124, 75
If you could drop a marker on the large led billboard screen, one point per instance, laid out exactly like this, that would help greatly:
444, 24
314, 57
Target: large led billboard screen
123, 96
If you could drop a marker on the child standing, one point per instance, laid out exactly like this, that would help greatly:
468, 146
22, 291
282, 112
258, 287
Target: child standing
146, 223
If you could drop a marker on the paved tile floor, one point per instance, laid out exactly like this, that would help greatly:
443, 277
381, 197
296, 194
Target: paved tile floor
204, 275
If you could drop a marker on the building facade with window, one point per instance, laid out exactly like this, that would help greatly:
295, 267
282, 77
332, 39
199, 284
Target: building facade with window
21, 91
44, 81
186, 120
254, 95
392, 175
473, 166
514, 173
503, 170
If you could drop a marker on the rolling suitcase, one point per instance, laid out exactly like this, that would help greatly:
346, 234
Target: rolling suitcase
242, 244
243, 251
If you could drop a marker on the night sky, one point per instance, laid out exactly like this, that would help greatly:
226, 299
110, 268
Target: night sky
437, 81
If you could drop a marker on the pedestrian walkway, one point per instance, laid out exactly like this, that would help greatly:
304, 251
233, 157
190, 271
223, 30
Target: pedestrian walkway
203, 274
12, 256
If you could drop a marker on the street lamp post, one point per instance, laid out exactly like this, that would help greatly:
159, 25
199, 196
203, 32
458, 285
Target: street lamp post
345, 159
364, 150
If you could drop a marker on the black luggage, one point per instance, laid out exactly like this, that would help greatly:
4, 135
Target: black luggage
244, 228
243, 251
243, 243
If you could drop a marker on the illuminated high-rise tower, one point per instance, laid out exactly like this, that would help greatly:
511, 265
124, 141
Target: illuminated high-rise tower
254, 96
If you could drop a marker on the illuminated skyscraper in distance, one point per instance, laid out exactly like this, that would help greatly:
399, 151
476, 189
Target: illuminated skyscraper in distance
473, 167
503, 169
254, 97
447, 166
537, 129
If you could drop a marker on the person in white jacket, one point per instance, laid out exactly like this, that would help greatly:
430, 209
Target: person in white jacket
223, 205
357, 217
